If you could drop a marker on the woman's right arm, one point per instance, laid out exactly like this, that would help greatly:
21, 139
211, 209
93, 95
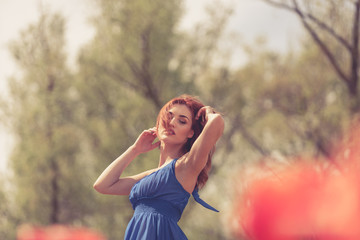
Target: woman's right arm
110, 182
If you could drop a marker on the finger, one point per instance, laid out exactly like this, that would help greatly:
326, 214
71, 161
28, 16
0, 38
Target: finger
200, 112
154, 133
147, 133
144, 133
152, 130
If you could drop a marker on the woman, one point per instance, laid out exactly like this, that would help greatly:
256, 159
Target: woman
187, 132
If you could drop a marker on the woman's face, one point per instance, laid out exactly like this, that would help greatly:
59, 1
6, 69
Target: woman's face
180, 123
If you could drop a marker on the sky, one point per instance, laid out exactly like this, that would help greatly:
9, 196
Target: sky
251, 18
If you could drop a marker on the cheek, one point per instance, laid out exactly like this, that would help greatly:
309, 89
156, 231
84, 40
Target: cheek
185, 130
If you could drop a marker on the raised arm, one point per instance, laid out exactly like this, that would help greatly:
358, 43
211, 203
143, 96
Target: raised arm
110, 181
213, 129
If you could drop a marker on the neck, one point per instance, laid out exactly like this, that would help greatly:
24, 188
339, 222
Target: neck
168, 153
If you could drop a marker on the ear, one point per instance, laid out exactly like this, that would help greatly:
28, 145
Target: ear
191, 134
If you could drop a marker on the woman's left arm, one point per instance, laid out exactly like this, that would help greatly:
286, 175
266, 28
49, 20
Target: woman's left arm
213, 129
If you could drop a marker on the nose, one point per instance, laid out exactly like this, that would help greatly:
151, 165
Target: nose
172, 122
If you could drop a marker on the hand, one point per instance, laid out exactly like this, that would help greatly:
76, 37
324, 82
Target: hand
144, 142
203, 114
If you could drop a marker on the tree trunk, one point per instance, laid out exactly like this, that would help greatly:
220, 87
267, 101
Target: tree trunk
54, 214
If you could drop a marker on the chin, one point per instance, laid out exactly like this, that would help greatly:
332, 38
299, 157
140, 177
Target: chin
172, 140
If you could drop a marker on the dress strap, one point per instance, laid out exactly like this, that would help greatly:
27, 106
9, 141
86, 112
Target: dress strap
202, 202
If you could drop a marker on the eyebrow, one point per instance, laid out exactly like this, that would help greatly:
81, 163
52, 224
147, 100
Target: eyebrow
182, 116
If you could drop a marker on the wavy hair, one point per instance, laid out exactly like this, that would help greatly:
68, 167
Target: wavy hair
194, 106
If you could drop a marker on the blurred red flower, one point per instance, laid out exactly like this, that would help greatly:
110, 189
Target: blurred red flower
309, 199
57, 232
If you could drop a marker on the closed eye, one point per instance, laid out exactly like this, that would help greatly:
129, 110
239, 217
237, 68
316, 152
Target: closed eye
182, 121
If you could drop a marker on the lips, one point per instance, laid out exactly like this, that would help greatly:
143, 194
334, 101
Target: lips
170, 132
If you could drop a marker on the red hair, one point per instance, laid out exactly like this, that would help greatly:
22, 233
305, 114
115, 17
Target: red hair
194, 106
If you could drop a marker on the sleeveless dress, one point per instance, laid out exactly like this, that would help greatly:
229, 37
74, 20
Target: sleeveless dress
159, 200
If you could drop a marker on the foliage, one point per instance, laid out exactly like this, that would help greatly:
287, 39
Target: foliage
70, 126
334, 28
45, 163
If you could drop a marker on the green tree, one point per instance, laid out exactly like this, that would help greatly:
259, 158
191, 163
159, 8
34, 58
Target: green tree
48, 178
334, 27
133, 46
288, 104
313, 103
7, 220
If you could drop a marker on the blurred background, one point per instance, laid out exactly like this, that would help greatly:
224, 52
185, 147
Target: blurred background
81, 79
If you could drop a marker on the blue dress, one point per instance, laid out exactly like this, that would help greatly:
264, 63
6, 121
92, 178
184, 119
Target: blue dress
159, 200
